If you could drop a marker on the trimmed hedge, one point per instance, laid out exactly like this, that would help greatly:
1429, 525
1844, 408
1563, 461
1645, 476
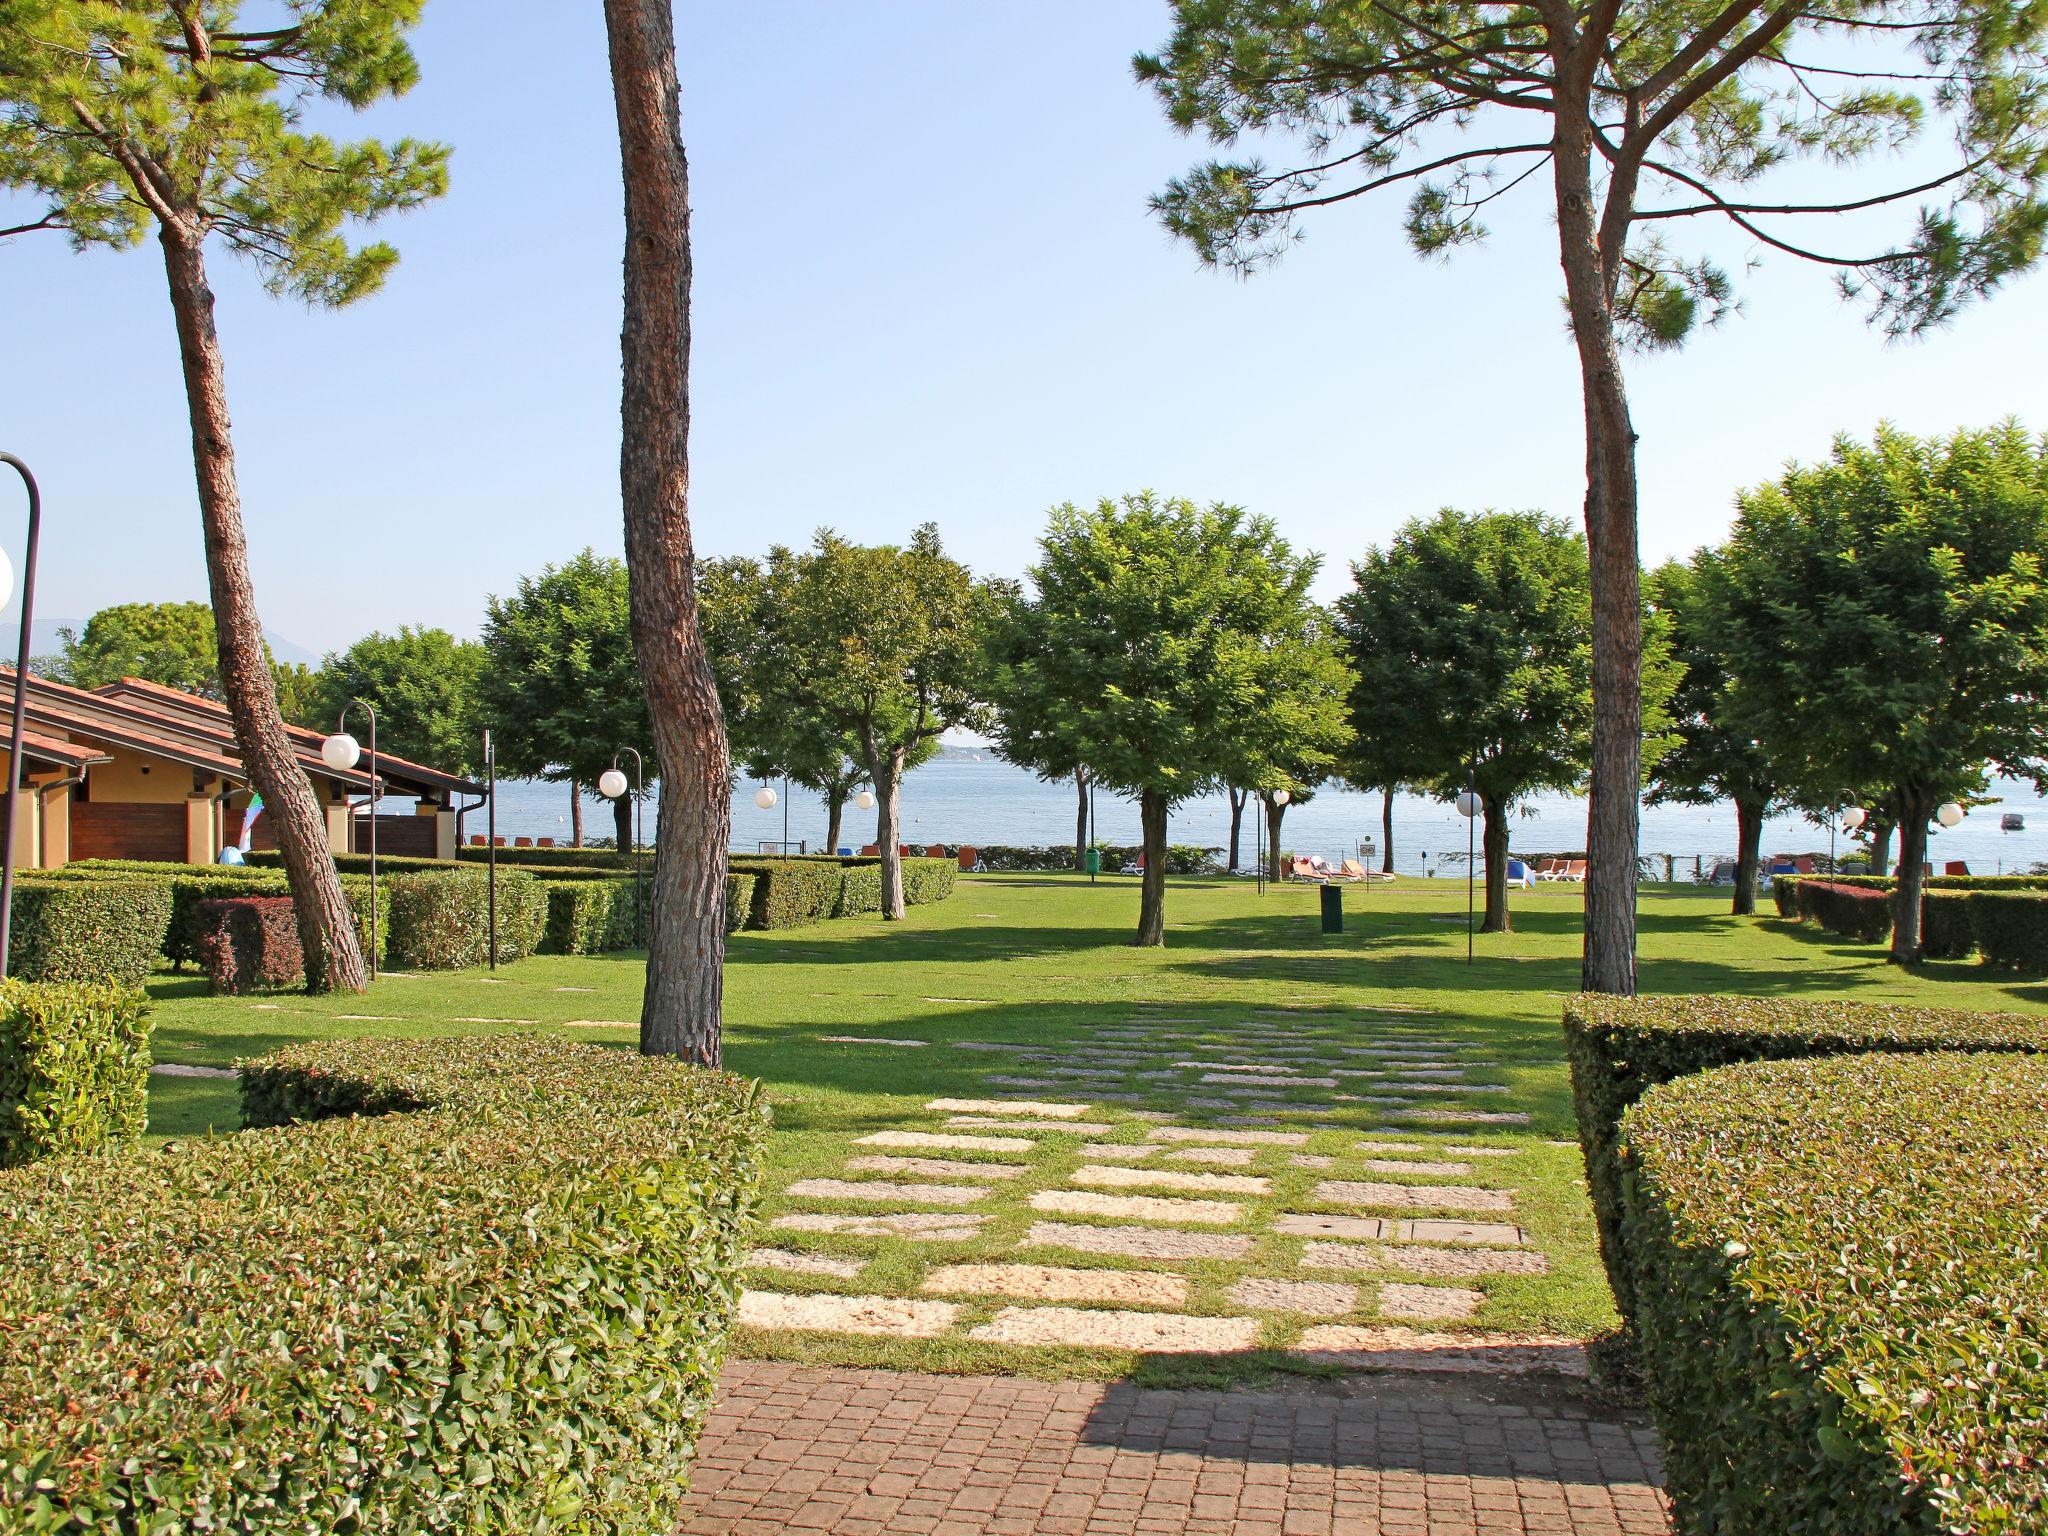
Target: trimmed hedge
87, 930
440, 921
860, 890
592, 917
74, 1068
1948, 929
246, 942
2011, 929
1844, 1274
609, 860
790, 893
487, 1291
739, 899
1620, 1047
1854, 911
926, 880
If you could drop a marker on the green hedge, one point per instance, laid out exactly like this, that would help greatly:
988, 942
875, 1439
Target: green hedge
1620, 1047
440, 921
1948, 930
609, 860
789, 893
927, 880
2011, 929
192, 884
74, 1068
247, 942
592, 917
109, 929
739, 900
1855, 912
1844, 1271
860, 890
487, 1291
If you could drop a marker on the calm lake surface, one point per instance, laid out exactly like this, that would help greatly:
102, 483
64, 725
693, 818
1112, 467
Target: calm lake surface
965, 799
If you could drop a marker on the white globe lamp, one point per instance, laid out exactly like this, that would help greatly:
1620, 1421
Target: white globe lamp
865, 799
611, 784
764, 797
1854, 817
1949, 814
1469, 804
1281, 797
340, 752
6, 579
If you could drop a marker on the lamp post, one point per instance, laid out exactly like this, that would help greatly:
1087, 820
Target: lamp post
612, 784
28, 606
491, 839
341, 753
1469, 807
766, 797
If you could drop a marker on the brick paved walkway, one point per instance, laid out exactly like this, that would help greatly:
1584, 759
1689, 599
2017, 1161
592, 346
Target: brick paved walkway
878, 1453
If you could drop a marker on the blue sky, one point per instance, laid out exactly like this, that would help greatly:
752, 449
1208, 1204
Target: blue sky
927, 289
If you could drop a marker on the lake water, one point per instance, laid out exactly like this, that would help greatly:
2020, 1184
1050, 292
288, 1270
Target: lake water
963, 799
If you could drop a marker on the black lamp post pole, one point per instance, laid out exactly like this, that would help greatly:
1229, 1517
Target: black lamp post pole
639, 797
491, 839
28, 607
1471, 853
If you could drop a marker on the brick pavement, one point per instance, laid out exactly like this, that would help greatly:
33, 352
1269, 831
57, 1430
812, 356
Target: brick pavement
880, 1453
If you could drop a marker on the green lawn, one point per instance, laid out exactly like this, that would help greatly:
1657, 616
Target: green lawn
1042, 963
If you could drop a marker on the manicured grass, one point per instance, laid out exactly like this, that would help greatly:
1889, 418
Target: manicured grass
1044, 962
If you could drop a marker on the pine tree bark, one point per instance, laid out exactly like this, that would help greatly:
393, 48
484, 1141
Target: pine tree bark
1915, 807
327, 934
1275, 814
1493, 843
1237, 800
1080, 821
681, 1013
885, 771
1152, 884
1615, 787
575, 814
1387, 829
1749, 836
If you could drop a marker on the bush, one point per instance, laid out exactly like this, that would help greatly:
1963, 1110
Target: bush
2011, 928
246, 942
1947, 930
1785, 892
74, 1068
1002, 858
608, 860
860, 889
87, 930
592, 917
926, 880
487, 1291
1843, 1279
739, 900
1620, 1047
790, 893
441, 921
1854, 911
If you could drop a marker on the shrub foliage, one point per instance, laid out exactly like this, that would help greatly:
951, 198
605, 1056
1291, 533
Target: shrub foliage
74, 1067
247, 942
87, 930
1620, 1047
1844, 1268
487, 1290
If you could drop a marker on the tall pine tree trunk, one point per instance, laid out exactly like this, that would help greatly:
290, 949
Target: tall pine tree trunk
1914, 809
1237, 800
1387, 829
885, 771
1609, 962
1152, 884
575, 814
680, 1014
1493, 842
1749, 836
1275, 814
327, 934
1080, 821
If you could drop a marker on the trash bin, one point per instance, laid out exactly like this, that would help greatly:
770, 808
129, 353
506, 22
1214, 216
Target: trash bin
1093, 861
1333, 909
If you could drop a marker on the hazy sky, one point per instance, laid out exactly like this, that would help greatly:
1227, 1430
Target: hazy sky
928, 288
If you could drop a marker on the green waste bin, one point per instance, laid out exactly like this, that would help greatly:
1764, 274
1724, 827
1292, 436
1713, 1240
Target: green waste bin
1093, 861
1333, 909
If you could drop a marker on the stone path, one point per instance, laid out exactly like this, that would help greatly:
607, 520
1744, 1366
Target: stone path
1154, 1189
877, 1453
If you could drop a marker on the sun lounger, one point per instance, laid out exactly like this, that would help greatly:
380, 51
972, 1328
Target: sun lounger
1305, 869
872, 850
970, 861
1576, 869
1955, 867
1351, 869
936, 851
1518, 874
1550, 871
545, 842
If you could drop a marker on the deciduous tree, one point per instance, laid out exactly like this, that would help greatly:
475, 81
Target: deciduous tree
1155, 633
424, 685
560, 685
1888, 625
122, 116
1648, 116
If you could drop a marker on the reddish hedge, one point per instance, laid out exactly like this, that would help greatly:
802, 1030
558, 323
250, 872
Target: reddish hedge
246, 942
1853, 911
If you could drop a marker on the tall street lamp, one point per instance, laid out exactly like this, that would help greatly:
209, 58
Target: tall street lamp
1469, 806
612, 784
491, 838
28, 606
341, 753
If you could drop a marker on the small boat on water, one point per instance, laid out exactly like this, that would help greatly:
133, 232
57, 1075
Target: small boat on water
2012, 821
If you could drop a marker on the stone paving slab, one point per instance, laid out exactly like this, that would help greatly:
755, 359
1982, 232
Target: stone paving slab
1093, 1328
874, 1453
